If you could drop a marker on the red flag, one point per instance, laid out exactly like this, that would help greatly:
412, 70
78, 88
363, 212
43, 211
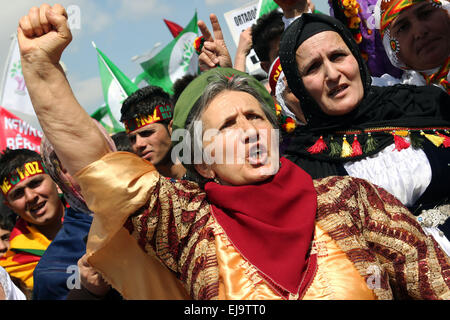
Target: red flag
17, 134
174, 28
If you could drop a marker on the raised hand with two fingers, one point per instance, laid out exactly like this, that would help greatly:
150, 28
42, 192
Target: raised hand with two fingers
214, 52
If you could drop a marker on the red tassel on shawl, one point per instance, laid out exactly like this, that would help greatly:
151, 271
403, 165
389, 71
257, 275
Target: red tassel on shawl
318, 147
446, 142
356, 147
400, 143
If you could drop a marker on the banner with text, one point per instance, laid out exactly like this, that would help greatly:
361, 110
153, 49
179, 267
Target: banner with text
17, 134
238, 20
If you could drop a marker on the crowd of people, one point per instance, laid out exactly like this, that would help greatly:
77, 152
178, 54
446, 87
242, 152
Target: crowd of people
326, 179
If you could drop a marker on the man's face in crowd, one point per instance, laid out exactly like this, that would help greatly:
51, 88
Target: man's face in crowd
4, 241
35, 200
273, 54
151, 143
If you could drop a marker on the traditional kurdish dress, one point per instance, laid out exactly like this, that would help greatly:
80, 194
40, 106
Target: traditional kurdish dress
386, 12
336, 238
397, 137
27, 245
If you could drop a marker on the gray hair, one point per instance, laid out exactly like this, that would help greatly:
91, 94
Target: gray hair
217, 84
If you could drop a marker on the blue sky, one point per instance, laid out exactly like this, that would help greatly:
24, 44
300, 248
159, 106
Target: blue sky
122, 29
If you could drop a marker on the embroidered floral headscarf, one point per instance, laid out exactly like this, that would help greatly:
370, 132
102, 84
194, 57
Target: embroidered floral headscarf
386, 12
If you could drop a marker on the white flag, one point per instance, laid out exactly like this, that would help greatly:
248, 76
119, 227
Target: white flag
238, 20
14, 94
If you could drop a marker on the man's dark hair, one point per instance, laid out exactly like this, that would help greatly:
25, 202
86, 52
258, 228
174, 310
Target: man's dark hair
267, 27
7, 217
10, 160
143, 102
122, 141
180, 85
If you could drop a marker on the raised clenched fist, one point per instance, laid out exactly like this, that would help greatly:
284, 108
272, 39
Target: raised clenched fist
43, 34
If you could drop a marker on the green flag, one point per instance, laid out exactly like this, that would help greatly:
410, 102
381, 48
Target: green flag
174, 61
116, 88
106, 119
265, 6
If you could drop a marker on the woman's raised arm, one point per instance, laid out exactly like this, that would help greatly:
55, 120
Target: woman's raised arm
43, 35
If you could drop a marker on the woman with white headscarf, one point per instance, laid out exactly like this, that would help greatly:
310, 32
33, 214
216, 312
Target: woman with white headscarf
8, 290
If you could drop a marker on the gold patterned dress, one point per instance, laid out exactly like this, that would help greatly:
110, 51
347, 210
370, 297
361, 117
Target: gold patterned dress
156, 238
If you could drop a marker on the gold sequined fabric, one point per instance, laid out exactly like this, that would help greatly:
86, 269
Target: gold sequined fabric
154, 238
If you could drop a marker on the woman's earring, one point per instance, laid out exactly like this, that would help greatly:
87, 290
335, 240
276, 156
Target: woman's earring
216, 180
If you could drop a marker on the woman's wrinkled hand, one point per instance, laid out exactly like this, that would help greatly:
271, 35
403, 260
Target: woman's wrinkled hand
214, 52
91, 279
43, 34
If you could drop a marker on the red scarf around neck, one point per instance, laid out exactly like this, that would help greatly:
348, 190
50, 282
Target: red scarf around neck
272, 223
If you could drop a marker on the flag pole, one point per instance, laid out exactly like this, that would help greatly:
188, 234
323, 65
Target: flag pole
109, 69
5, 70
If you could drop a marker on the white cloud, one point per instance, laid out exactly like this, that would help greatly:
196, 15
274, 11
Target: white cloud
88, 93
92, 15
93, 19
138, 9
219, 2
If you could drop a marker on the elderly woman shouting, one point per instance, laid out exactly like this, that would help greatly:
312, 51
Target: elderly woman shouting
258, 227
395, 137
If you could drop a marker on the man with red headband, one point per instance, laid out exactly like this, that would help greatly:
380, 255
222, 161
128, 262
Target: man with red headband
30, 193
147, 116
